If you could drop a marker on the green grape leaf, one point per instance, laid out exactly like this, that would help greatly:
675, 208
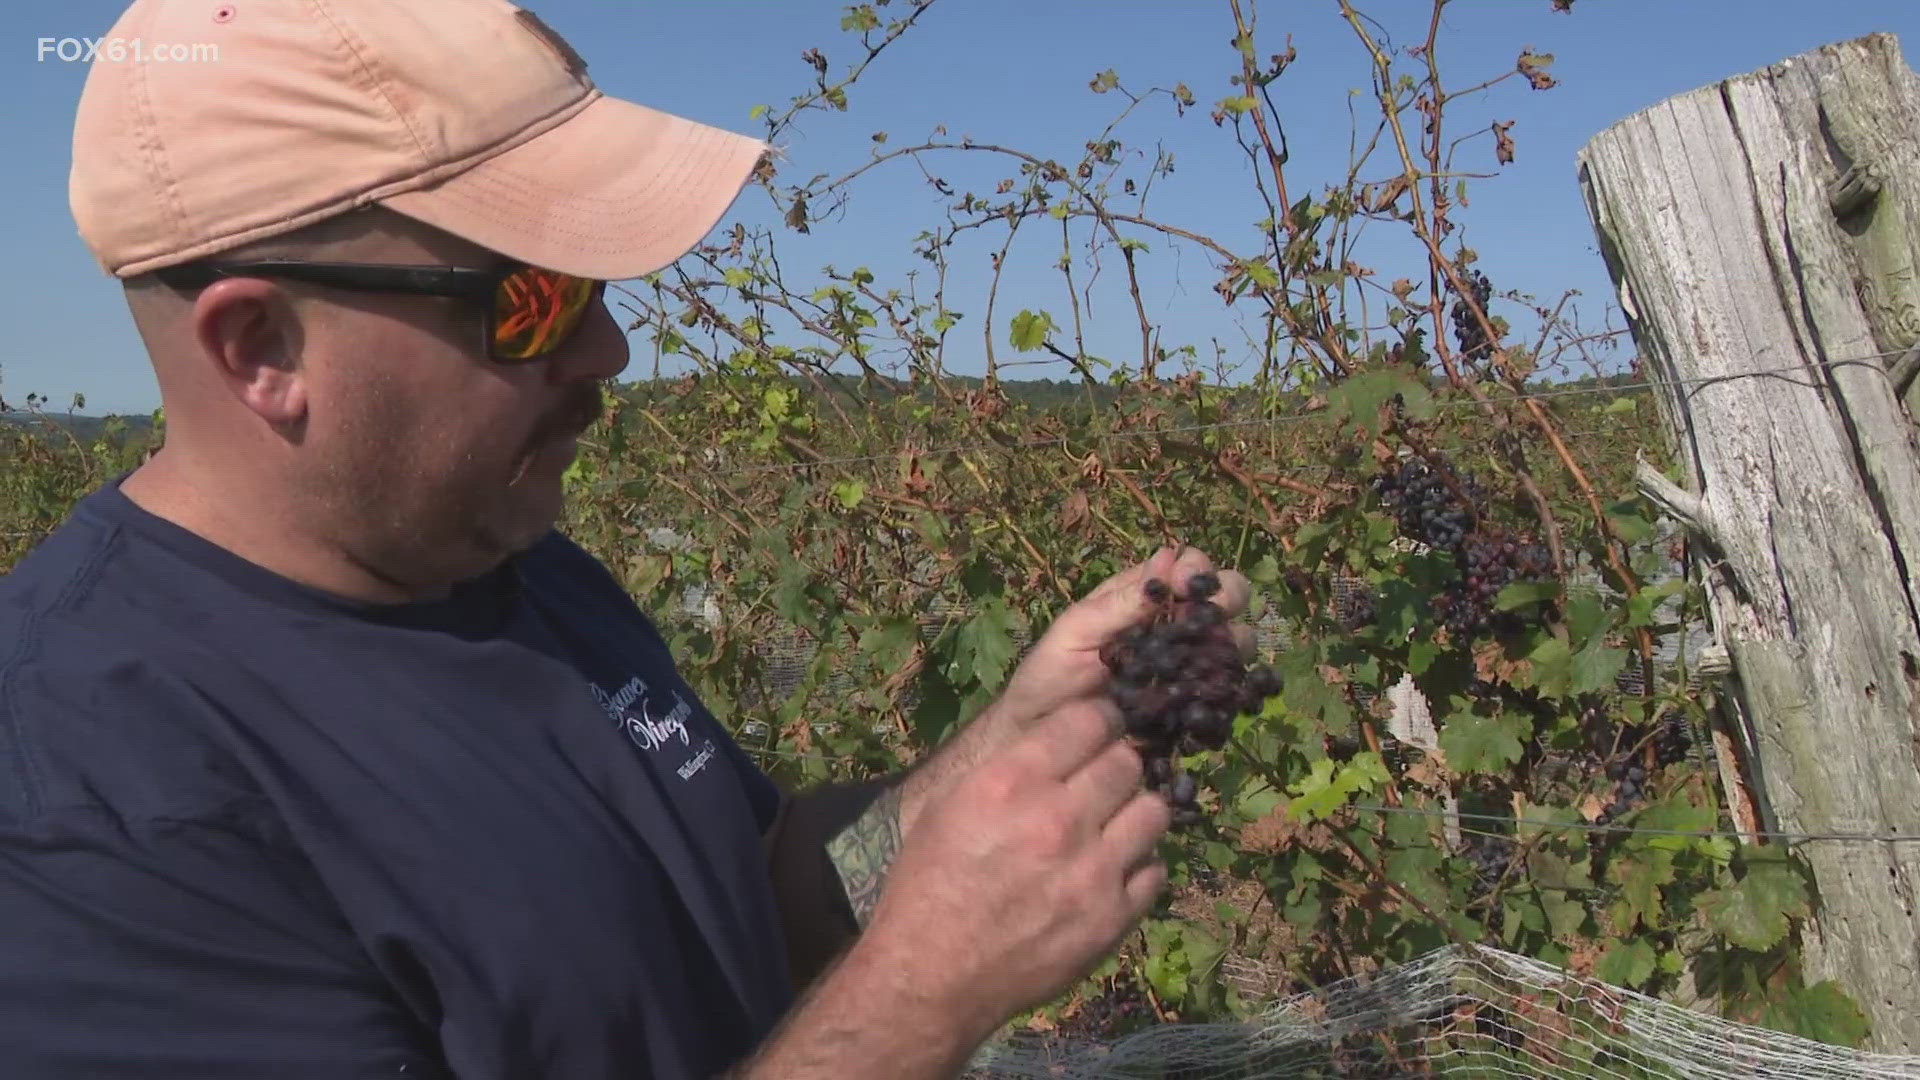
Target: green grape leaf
985, 646
1552, 664
1483, 744
1626, 963
1595, 666
1640, 876
1330, 784
1822, 1012
890, 641
850, 492
1753, 914
1524, 593
1564, 913
1360, 397
1586, 616
1030, 330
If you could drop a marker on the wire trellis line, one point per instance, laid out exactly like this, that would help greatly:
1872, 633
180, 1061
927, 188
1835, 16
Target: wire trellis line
1867, 360
1587, 826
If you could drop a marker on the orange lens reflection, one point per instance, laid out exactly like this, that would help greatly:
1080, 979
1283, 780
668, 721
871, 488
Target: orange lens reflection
535, 310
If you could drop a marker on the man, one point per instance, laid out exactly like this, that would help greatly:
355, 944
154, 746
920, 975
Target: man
322, 754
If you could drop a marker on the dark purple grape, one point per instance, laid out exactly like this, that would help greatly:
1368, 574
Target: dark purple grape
1184, 790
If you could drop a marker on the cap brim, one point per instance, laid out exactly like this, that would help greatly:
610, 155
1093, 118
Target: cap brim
616, 191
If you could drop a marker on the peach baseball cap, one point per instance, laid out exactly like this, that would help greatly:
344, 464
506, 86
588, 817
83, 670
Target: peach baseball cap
470, 115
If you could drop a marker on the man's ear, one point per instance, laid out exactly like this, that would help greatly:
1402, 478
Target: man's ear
250, 332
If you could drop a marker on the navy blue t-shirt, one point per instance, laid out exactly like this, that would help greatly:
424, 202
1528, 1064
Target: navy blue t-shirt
251, 830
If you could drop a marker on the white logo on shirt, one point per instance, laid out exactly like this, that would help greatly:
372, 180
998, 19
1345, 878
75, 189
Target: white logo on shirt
631, 709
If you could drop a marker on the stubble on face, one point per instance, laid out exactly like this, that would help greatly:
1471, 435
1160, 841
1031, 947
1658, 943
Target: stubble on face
430, 476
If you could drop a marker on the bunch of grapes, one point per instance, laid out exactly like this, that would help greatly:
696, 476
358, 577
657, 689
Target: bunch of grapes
1180, 681
1359, 611
1428, 507
1490, 856
1106, 1016
1489, 562
1474, 343
1674, 741
1425, 504
1628, 776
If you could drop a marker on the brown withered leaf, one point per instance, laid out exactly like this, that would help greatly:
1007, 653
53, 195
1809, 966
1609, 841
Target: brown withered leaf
1584, 956
1503, 142
1390, 194
916, 480
1534, 66
1490, 663
1402, 289
1591, 807
1075, 515
1426, 773
1276, 833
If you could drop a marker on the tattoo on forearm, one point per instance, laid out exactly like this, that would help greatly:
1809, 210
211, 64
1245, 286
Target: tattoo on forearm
864, 852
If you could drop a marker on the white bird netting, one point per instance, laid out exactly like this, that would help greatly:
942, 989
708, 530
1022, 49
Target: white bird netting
1456, 1013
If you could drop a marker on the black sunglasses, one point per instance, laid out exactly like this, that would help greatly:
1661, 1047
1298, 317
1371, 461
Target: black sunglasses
530, 311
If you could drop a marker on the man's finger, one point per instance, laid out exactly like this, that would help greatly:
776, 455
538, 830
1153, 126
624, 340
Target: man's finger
1245, 640
1117, 603
1235, 592
1134, 832
1065, 740
1144, 886
1105, 783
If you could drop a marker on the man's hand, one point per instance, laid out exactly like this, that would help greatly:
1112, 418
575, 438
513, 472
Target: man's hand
1028, 870
1015, 882
1064, 665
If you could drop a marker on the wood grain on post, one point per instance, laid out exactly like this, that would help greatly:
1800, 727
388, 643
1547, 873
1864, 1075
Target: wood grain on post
1764, 234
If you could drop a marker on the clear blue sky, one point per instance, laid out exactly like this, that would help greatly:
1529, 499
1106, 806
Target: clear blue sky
1001, 71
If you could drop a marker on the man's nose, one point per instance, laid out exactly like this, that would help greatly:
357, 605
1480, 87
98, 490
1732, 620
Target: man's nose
597, 350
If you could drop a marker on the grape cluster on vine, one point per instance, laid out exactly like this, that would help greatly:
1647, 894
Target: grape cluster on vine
1490, 856
1424, 502
1489, 562
1672, 742
1428, 505
1180, 681
1473, 341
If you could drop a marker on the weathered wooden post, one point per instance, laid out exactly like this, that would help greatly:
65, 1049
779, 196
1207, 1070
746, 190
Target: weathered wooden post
1763, 236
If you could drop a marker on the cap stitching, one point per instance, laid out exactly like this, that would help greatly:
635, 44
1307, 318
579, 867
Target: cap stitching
371, 194
153, 151
378, 85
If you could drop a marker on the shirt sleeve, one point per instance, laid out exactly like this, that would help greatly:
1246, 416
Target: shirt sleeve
141, 951
816, 915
